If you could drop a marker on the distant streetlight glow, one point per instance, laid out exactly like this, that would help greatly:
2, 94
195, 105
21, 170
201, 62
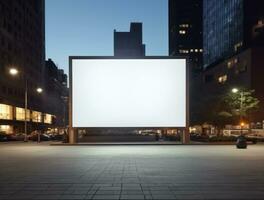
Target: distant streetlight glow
13, 71
234, 90
39, 90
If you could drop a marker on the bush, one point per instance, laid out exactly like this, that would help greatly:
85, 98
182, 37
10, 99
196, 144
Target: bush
223, 139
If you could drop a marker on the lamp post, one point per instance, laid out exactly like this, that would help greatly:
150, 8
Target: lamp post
235, 90
14, 72
66, 130
241, 127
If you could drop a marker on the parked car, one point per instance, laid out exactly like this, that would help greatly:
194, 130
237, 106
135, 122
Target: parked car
43, 137
3, 137
58, 137
200, 138
17, 137
34, 136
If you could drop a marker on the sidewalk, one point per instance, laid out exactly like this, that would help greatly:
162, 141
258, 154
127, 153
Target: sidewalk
146, 143
142, 143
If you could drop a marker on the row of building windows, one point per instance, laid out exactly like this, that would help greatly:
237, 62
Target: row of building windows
7, 113
190, 51
184, 25
237, 46
232, 63
182, 32
239, 67
223, 78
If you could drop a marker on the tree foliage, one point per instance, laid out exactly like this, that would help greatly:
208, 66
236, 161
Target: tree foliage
241, 103
226, 109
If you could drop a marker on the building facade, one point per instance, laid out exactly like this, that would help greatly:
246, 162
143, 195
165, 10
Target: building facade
22, 39
185, 31
129, 44
242, 71
233, 40
22, 47
231, 27
56, 94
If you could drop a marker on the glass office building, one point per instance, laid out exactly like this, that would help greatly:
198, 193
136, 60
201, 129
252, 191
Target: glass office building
230, 26
223, 29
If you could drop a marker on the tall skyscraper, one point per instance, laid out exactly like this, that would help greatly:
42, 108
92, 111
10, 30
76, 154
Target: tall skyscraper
233, 37
22, 48
185, 30
129, 44
22, 38
231, 26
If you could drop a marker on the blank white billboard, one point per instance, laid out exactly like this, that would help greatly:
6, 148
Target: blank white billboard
128, 92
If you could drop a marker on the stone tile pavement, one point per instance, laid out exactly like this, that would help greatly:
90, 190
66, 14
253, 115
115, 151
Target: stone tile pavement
31, 171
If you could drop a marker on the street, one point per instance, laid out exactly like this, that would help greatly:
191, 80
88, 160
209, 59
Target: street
32, 171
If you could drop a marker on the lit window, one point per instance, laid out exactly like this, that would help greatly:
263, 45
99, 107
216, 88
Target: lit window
229, 64
47, 119
184, 25
182, 32
196, 50
36, 116
183, 51
7, 129
20, 114
191, 50
201, 50
238, 45
222, 79
6, 112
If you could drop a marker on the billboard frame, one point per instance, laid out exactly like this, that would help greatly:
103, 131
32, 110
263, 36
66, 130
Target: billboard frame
72, 130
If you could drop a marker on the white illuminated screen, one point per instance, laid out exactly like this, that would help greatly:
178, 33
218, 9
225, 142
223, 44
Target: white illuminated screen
129, 92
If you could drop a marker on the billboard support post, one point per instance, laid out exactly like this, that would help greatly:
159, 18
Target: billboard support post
72, 138
186, 136
186, 132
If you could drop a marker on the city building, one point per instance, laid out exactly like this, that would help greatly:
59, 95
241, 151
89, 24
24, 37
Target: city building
230, 27
243, 71
22, 47
129, 44
24, 94
185, 31
56, 94
233, 40
186, 38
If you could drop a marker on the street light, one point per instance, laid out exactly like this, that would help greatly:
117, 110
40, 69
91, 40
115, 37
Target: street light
235, 90
39, 90
14, 72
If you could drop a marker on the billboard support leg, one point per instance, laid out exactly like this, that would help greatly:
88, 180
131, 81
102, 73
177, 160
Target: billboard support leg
72, 136
185, 136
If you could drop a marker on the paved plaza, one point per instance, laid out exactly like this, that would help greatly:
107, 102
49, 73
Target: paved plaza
31, 171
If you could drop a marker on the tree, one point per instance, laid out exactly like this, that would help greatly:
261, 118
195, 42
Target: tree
229, 108
240, 103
